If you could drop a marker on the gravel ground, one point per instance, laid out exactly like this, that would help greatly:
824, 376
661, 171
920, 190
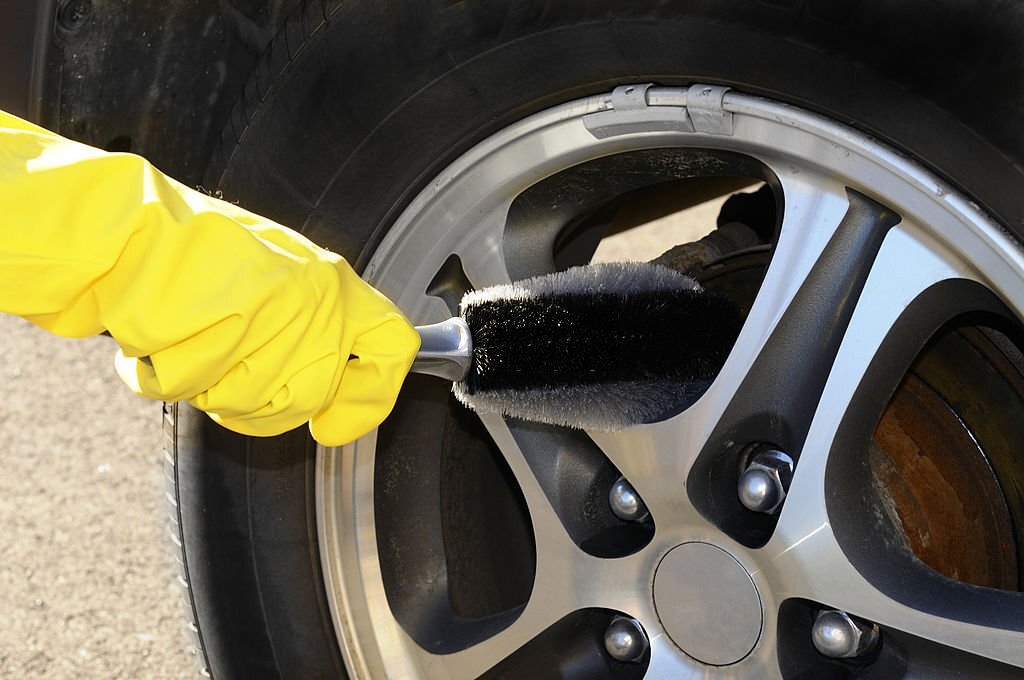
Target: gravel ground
87, 573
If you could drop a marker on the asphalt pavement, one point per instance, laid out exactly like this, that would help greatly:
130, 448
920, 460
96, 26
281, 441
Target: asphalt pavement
87, 578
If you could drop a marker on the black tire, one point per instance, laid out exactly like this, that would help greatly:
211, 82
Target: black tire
355, 106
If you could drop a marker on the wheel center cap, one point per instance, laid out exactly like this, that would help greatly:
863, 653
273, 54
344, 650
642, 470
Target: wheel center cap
707, 603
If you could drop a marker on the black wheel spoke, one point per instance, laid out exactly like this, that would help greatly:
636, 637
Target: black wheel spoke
778, 397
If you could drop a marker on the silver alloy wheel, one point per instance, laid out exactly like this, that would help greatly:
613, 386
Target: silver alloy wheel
942, 236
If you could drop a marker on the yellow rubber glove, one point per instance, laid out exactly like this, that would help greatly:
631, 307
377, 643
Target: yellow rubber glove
244, 318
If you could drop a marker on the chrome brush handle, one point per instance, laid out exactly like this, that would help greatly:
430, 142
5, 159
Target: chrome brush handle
446, 350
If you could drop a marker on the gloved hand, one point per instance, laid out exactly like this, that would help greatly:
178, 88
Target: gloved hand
244, 318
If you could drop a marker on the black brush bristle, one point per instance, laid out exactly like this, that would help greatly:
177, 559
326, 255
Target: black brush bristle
604, 346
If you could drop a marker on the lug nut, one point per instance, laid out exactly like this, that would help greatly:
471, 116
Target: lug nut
625, 639
626, 504
74, 14
763, 485
838, 635
759, 491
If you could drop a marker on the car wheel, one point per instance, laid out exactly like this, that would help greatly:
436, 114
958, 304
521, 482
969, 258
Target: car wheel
843, 501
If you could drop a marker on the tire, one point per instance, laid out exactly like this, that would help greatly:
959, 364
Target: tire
355, 107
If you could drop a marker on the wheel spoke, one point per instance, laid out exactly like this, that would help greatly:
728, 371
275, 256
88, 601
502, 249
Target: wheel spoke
771, 384
560, 572
904, 270
483, 257
788, 371
448, 266
806, 558
655, 459
814, 210
471, 663
777, 368
549, 533
979, 621
567, 584
567, 578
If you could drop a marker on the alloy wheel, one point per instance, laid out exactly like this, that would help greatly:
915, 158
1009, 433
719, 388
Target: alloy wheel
871, 257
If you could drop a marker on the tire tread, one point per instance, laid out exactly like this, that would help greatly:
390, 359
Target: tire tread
309, 18
170, 416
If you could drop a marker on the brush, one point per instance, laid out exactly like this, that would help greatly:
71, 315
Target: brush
602, 346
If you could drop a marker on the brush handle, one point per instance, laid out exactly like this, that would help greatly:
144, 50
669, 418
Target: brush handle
446, 350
